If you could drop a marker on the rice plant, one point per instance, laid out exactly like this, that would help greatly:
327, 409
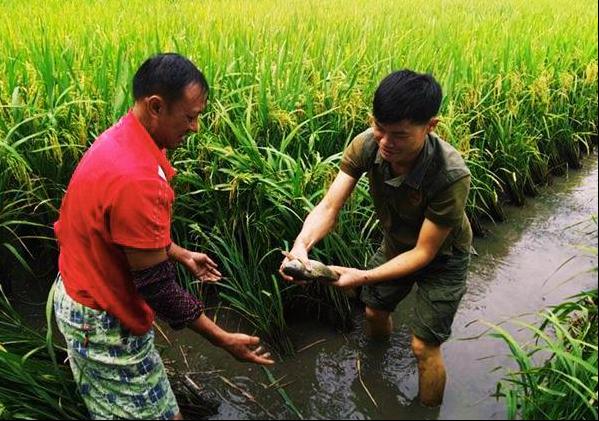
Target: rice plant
557, 376
35, 383
564, 384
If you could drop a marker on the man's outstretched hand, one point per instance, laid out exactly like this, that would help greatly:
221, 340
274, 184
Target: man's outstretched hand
246, 348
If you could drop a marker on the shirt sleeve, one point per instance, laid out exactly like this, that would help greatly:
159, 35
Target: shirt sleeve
140, 214
353, 161
171, 302
447, 207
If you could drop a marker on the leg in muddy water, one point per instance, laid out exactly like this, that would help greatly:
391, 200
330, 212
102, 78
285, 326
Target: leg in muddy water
431, 372
378, 323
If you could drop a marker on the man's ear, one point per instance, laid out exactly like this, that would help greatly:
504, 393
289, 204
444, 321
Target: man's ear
155, 105
432, 124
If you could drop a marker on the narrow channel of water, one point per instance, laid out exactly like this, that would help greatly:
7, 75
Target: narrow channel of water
515, 274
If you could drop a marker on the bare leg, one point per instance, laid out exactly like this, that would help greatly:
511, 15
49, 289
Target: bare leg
431, 372
378, 323
178, 416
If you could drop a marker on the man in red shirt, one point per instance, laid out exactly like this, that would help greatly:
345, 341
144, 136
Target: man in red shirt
117, 258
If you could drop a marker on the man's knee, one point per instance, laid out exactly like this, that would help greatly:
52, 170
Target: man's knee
378, 323
376, 316
423, 350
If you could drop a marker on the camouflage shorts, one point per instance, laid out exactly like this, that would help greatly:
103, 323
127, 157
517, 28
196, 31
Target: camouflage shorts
441, 286
119, 376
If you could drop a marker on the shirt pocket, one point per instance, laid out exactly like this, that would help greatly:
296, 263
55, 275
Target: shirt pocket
408, 205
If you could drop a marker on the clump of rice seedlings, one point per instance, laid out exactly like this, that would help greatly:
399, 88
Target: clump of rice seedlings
564, 385
35, 382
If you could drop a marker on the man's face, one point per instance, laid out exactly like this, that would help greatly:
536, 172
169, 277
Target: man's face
180, 118
400, 143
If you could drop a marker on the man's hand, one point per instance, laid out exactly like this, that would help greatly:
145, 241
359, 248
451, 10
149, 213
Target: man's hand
349, 277
245, 348
300, 253
201, 266
242, 347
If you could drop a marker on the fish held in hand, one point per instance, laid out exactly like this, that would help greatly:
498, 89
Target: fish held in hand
319, 271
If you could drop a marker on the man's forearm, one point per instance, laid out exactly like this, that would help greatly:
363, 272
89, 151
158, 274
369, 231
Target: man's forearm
172, 303
430, 239
176, 252
323, 217
316, 226
401, 265
209, 330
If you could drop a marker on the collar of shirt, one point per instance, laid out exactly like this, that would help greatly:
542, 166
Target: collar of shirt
142, 139
415, 177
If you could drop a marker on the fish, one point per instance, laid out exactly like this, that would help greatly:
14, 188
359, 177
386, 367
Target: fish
319, 271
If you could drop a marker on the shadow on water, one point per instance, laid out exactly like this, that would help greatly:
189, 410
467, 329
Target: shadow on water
526, 263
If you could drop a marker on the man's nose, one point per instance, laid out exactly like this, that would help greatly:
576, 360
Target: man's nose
385, 141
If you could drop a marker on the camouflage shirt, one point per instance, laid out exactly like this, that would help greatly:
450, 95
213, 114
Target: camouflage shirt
436, 188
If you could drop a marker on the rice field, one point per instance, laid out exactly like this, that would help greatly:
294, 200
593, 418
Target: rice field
291, 84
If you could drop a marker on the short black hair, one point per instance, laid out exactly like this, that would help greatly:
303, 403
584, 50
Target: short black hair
407, 95
167, 75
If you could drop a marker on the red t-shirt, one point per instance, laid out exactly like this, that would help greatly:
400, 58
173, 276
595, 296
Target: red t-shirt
119, 195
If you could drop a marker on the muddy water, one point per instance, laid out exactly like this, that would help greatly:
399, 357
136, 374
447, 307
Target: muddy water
525, 264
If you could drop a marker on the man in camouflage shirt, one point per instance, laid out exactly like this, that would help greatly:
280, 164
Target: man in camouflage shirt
419, 185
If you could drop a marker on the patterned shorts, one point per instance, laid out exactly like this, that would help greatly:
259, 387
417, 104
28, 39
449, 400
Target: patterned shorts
119, 376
